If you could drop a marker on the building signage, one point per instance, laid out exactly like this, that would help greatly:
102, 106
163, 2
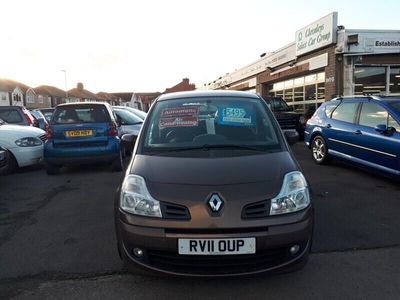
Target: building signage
317, 35
387, 43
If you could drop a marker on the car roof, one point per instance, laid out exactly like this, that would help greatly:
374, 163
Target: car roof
82, 103
211, 93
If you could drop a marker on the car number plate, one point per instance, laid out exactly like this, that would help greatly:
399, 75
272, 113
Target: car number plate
217, 246
74, 133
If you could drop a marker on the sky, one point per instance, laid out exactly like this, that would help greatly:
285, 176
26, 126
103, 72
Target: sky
150, 45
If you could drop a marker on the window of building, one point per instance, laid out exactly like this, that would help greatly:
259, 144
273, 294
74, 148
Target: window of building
346, 112
372, 114
321, 91
394, 84
41, 99
30, 99
369, 80
299, 93
3, 97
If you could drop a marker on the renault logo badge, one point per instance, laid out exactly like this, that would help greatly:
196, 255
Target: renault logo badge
215, 203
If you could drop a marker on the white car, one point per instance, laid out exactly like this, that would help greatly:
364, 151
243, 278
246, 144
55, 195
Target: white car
23, 143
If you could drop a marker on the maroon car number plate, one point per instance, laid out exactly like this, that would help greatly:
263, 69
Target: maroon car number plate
217, 246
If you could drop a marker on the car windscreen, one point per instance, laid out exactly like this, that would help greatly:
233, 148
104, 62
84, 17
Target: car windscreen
11, 116
206, 123
80, 114
127, 117
395, 105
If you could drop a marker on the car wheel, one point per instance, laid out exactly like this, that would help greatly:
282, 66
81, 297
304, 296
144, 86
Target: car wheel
319, 150
11, 165
118, 163
52, 169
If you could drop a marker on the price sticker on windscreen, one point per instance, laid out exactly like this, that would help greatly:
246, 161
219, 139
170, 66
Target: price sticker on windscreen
236, 116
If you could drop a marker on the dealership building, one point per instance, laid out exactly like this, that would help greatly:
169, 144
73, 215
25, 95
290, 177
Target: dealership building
324, 61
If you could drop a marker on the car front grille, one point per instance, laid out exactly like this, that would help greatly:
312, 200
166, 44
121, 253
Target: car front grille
217, 264
174, 212
256, 210
42, 137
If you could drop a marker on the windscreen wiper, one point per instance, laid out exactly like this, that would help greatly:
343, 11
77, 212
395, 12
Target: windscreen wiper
217, 146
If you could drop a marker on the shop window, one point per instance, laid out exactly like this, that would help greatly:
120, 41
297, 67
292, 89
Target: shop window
310, 92
299, 93
279, 93
369, 80
321, 91
345, 112
394, 85
288, 95
372, 115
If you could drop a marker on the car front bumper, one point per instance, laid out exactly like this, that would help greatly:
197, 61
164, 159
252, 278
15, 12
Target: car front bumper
160, 247
27, 156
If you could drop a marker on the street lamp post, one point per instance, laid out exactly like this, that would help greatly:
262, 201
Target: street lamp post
65, 78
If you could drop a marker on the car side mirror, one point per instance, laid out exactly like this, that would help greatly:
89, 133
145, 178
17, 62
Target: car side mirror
128, 141
292, 137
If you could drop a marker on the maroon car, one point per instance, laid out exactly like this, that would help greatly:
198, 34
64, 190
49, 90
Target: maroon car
213, 189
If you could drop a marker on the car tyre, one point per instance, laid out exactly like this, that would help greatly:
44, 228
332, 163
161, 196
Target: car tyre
118, 163
319, 150
11, 165
52, 169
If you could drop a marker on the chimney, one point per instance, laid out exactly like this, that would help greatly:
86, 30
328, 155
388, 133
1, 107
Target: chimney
79, 86
185, 80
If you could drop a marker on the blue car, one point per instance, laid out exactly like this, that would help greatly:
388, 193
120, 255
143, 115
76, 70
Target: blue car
361, 130
81, 133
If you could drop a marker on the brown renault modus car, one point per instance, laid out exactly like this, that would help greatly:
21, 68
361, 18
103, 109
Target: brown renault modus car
213, 190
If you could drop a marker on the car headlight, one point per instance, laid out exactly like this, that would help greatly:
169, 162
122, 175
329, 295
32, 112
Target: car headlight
28, 142
136, 199
294, 195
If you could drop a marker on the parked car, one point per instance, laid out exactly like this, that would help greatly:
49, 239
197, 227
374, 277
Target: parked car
288, 119
4, 161
40, 119
81, 133
17, 115
23, 144
130, 122
361, 130
213, 190
47, 112
141, 114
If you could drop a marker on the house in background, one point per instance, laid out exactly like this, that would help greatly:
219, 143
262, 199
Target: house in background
80, 94
143, 101
12, 92
107, 97
182, 86
53, 95
31, 98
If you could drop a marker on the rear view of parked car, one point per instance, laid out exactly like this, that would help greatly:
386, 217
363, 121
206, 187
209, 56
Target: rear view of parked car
40, 119
17, 115
363, 131
81, 133
213, 190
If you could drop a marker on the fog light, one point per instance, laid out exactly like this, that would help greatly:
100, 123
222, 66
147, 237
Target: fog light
294, 249
138, 252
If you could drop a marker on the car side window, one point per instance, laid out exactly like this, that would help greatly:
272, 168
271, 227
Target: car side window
329, 109
346, 111
372, 114
393, 123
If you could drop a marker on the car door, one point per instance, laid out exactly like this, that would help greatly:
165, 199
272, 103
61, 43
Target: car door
377, 149
340, 127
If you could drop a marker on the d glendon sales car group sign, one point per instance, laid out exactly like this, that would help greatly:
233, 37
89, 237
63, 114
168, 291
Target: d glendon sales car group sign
317, 35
